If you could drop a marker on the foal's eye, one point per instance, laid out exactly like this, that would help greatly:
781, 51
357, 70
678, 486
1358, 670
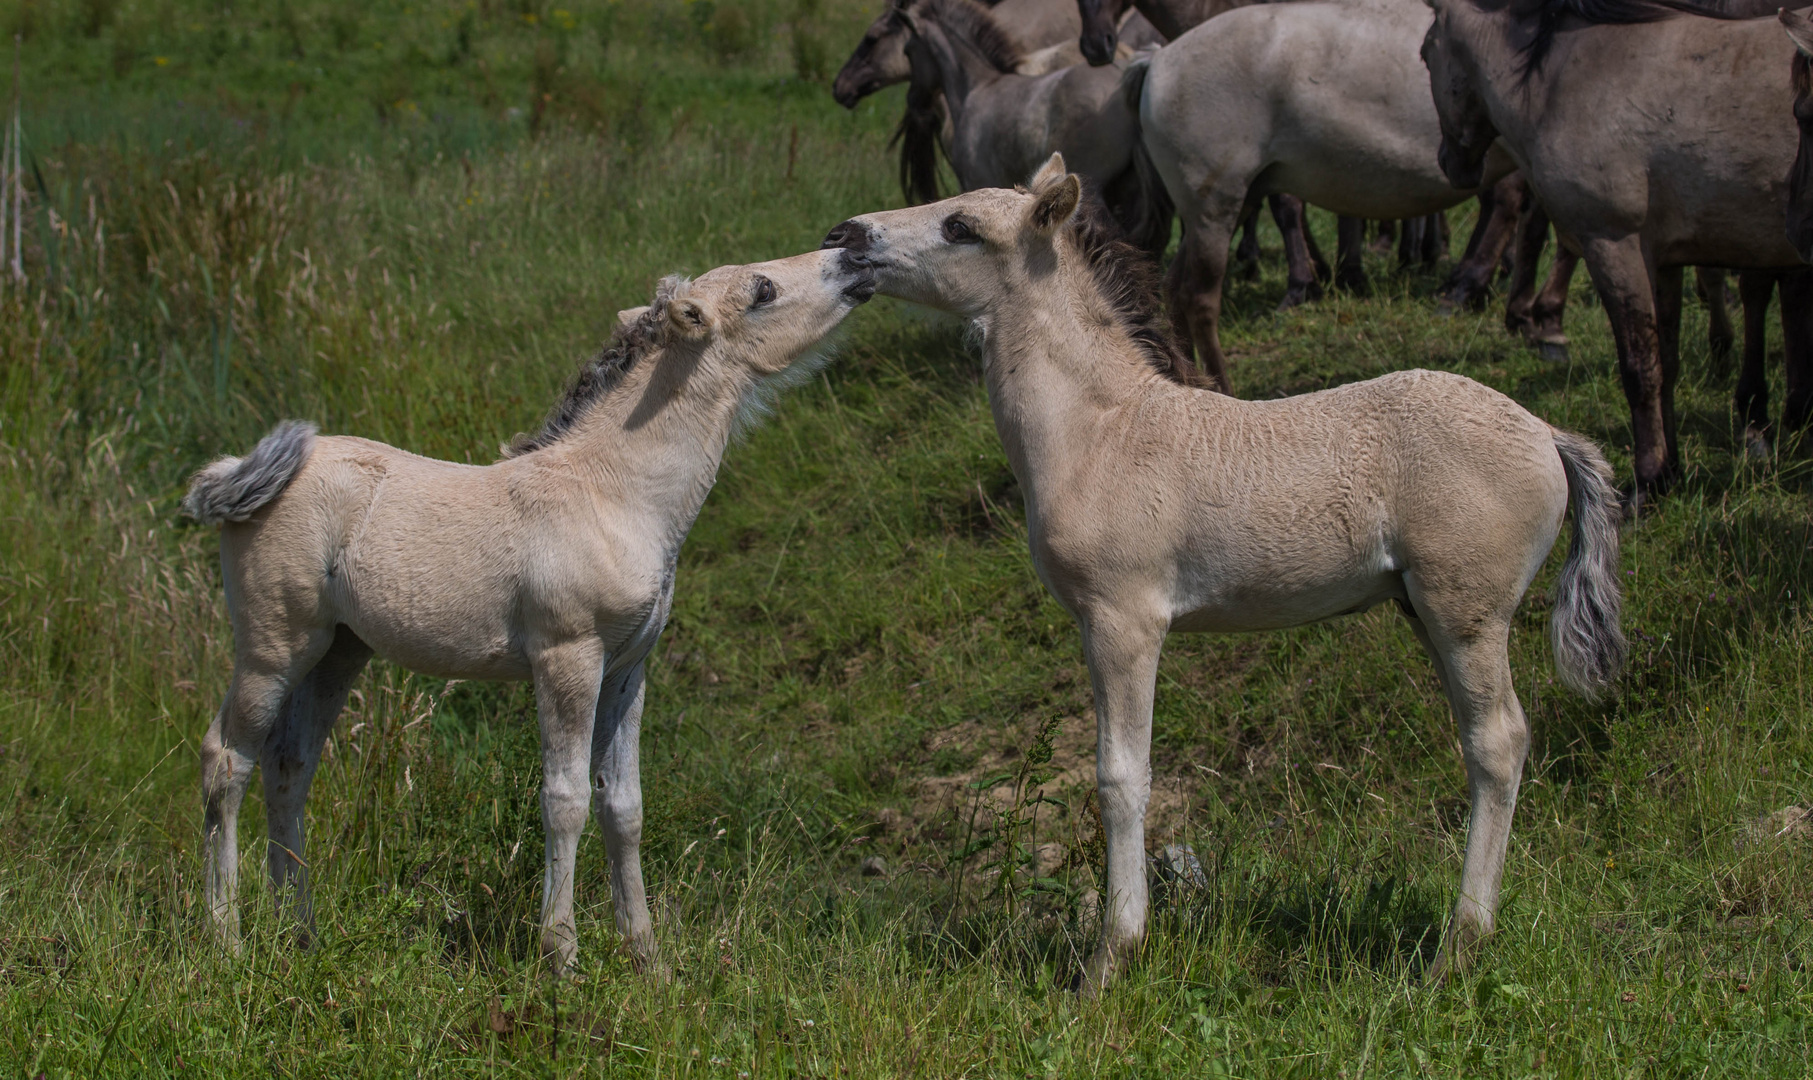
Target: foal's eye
764, 292
957, 231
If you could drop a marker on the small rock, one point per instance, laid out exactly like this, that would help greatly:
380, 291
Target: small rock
1177, 864
1787, 823
875, 866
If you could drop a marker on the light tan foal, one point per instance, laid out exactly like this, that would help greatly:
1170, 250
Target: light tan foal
555, 565
1154, 505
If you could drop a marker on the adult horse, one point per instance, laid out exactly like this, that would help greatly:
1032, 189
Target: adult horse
1153, 505
555, 565
1045, 32
1321, 98
1686, 164
1004, 124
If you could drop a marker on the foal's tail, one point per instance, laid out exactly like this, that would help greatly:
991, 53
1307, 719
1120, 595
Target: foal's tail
1589, 644
1152, 230
232, 488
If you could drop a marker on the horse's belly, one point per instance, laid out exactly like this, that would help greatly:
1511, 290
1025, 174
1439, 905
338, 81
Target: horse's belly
1284, 604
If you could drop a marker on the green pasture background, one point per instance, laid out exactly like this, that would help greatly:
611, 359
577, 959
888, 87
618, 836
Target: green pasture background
410, 221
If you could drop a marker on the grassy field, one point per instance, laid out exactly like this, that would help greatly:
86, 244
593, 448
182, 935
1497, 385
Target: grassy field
410, 222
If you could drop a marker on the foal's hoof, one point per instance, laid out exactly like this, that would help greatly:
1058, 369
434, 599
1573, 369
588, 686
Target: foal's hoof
1554, 352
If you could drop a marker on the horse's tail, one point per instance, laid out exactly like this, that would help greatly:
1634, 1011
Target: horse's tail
1589, 644
232, 488
917, 135
1151, 229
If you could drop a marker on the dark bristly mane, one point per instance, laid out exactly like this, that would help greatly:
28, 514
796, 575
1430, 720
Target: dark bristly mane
1802, 74
1550, 13
975, 24
1128, 279
603, 373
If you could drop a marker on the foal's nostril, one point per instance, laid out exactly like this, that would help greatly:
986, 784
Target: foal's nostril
850, 235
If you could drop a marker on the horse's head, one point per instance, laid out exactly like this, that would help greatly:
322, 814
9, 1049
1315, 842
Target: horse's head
762, 316
879, 60
1101, 29
966, 253
1800, 180
1467, 131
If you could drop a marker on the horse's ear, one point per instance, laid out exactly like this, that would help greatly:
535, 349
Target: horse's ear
688, 318
1056, 203
1800, 30
1049, 173
630, 315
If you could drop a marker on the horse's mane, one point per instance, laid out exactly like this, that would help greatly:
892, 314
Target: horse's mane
1550, 13
1802, 74
975, 23
1128, 279
629, 344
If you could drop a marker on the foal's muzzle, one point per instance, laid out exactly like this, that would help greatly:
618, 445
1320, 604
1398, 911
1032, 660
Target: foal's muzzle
862, 284
852, 235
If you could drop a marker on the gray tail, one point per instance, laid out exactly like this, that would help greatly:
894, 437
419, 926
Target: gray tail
1589, 644
231, 489
1151, 230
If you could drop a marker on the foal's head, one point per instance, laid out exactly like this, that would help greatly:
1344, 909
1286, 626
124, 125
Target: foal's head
744, 326
996, 249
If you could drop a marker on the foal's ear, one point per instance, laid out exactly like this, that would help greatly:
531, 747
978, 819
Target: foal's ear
630, 315
1056, 203
1800, 30
1049, 173
688, 318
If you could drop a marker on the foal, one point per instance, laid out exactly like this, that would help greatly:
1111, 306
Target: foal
1154, 505
555, 564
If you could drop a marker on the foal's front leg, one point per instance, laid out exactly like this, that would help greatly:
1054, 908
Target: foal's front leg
1123, 667
617, 803
567, 680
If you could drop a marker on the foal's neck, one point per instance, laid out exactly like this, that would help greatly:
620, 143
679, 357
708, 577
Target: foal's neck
1063, 373
654, 443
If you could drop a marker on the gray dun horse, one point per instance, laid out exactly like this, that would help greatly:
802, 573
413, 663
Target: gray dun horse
1319, 98
555, 565
1154, 505
1685, 165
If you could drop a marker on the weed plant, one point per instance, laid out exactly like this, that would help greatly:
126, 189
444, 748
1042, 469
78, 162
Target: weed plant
418, 245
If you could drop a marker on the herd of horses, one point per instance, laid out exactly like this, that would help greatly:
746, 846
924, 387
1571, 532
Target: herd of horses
1653, 134
1155, 500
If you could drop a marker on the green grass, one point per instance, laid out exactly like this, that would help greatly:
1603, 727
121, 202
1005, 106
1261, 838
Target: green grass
857, 641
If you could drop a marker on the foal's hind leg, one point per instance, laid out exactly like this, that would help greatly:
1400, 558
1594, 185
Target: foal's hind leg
290, 757
229, 750
1495, 739
617, 804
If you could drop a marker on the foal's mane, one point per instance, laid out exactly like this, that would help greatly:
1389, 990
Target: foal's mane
1549, 14
629, 344
976, 24
1128, 279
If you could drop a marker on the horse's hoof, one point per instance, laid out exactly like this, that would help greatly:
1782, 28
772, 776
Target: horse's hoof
1247, 271
1446, 308
1756, 446
1555, 352
1298, 295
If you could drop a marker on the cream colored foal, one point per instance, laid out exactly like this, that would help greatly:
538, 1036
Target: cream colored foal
555, 565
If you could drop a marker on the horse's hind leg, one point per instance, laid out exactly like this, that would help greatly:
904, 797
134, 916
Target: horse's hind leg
1246, 252
1709, 286
1350, 249
1476, 674
232, 746
1752, 394
290, 757
1302, 276
1797, 348
617, 804
1200, 271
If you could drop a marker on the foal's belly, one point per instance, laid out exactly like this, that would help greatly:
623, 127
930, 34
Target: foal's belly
1279, 605
444, 645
